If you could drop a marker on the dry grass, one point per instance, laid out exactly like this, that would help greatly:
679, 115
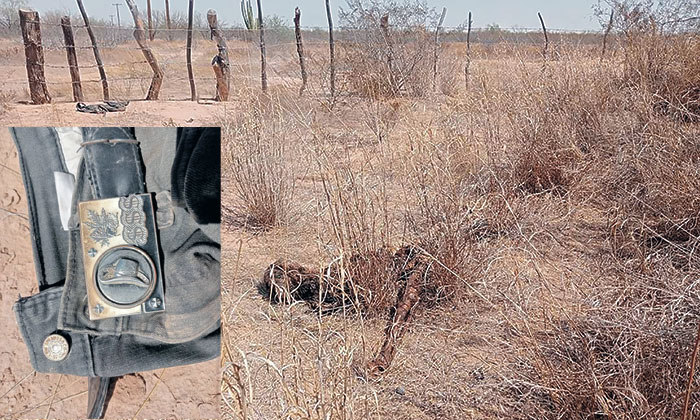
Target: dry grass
259, 170
559, 205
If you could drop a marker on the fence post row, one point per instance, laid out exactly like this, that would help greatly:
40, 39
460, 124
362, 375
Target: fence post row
193, 89
34, 56
220, 63
300, 49
142, 40
96, 51
469, 58
263, 59
331, 46
72, 59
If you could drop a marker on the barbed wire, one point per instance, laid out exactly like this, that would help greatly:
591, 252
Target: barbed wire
514, 29
280, 49
122, 79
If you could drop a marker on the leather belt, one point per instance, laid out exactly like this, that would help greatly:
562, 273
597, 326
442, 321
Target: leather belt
121, 257
120, 247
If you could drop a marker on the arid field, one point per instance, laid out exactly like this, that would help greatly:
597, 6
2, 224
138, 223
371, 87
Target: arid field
553, 196
557, 199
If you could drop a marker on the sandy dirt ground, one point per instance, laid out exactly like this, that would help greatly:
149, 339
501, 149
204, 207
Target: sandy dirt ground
138, 113
296, 362
173, 393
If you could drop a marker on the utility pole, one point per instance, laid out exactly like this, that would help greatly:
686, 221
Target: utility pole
111, 20
119, 22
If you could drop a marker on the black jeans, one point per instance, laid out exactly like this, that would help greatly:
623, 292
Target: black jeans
187, 332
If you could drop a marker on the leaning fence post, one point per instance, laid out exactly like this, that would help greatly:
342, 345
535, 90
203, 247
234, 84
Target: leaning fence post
469, 57
95, 51
72, 59
34, 55
436, 45
331, 46
193, 89
546, 38
263, 59
142, 40
220, 63
300, 49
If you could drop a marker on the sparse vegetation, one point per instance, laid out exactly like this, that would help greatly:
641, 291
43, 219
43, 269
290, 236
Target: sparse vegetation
559, 204
259, 172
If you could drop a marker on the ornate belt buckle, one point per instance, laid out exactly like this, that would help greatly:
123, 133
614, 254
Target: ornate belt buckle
121, 256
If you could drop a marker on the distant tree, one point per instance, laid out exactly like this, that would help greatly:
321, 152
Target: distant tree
278, 27
649, 15
275, 22
391, 62
408, 14
9, 15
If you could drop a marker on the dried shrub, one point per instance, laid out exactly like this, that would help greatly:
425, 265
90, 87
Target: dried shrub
392, 62
455, 202
656, 196
624, 356
666, 66
601, 354
360, 219
260, 171
556, 122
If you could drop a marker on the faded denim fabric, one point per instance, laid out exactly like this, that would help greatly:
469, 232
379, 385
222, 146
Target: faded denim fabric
188, 331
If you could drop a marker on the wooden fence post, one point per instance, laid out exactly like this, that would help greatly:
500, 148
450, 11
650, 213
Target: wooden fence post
167, 20
607, 32
546, 38
151, 32
384, 26
142, 40
220, 63
436, 45
331, 46
469, 57
34, 56
193, 89
263, 59
72, 59
95, 51
300, 49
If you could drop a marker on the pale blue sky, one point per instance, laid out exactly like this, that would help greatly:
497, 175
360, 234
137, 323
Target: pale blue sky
563, 14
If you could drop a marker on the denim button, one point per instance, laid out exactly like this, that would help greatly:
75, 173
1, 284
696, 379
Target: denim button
56, 347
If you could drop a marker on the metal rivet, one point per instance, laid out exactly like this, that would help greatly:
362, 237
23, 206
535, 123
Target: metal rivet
154, 303
98, 308
92, 252
56, 347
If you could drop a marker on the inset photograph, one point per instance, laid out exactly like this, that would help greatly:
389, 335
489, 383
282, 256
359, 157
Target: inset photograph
111, 276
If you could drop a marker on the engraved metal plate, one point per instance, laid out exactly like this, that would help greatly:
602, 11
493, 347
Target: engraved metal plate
120, 256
